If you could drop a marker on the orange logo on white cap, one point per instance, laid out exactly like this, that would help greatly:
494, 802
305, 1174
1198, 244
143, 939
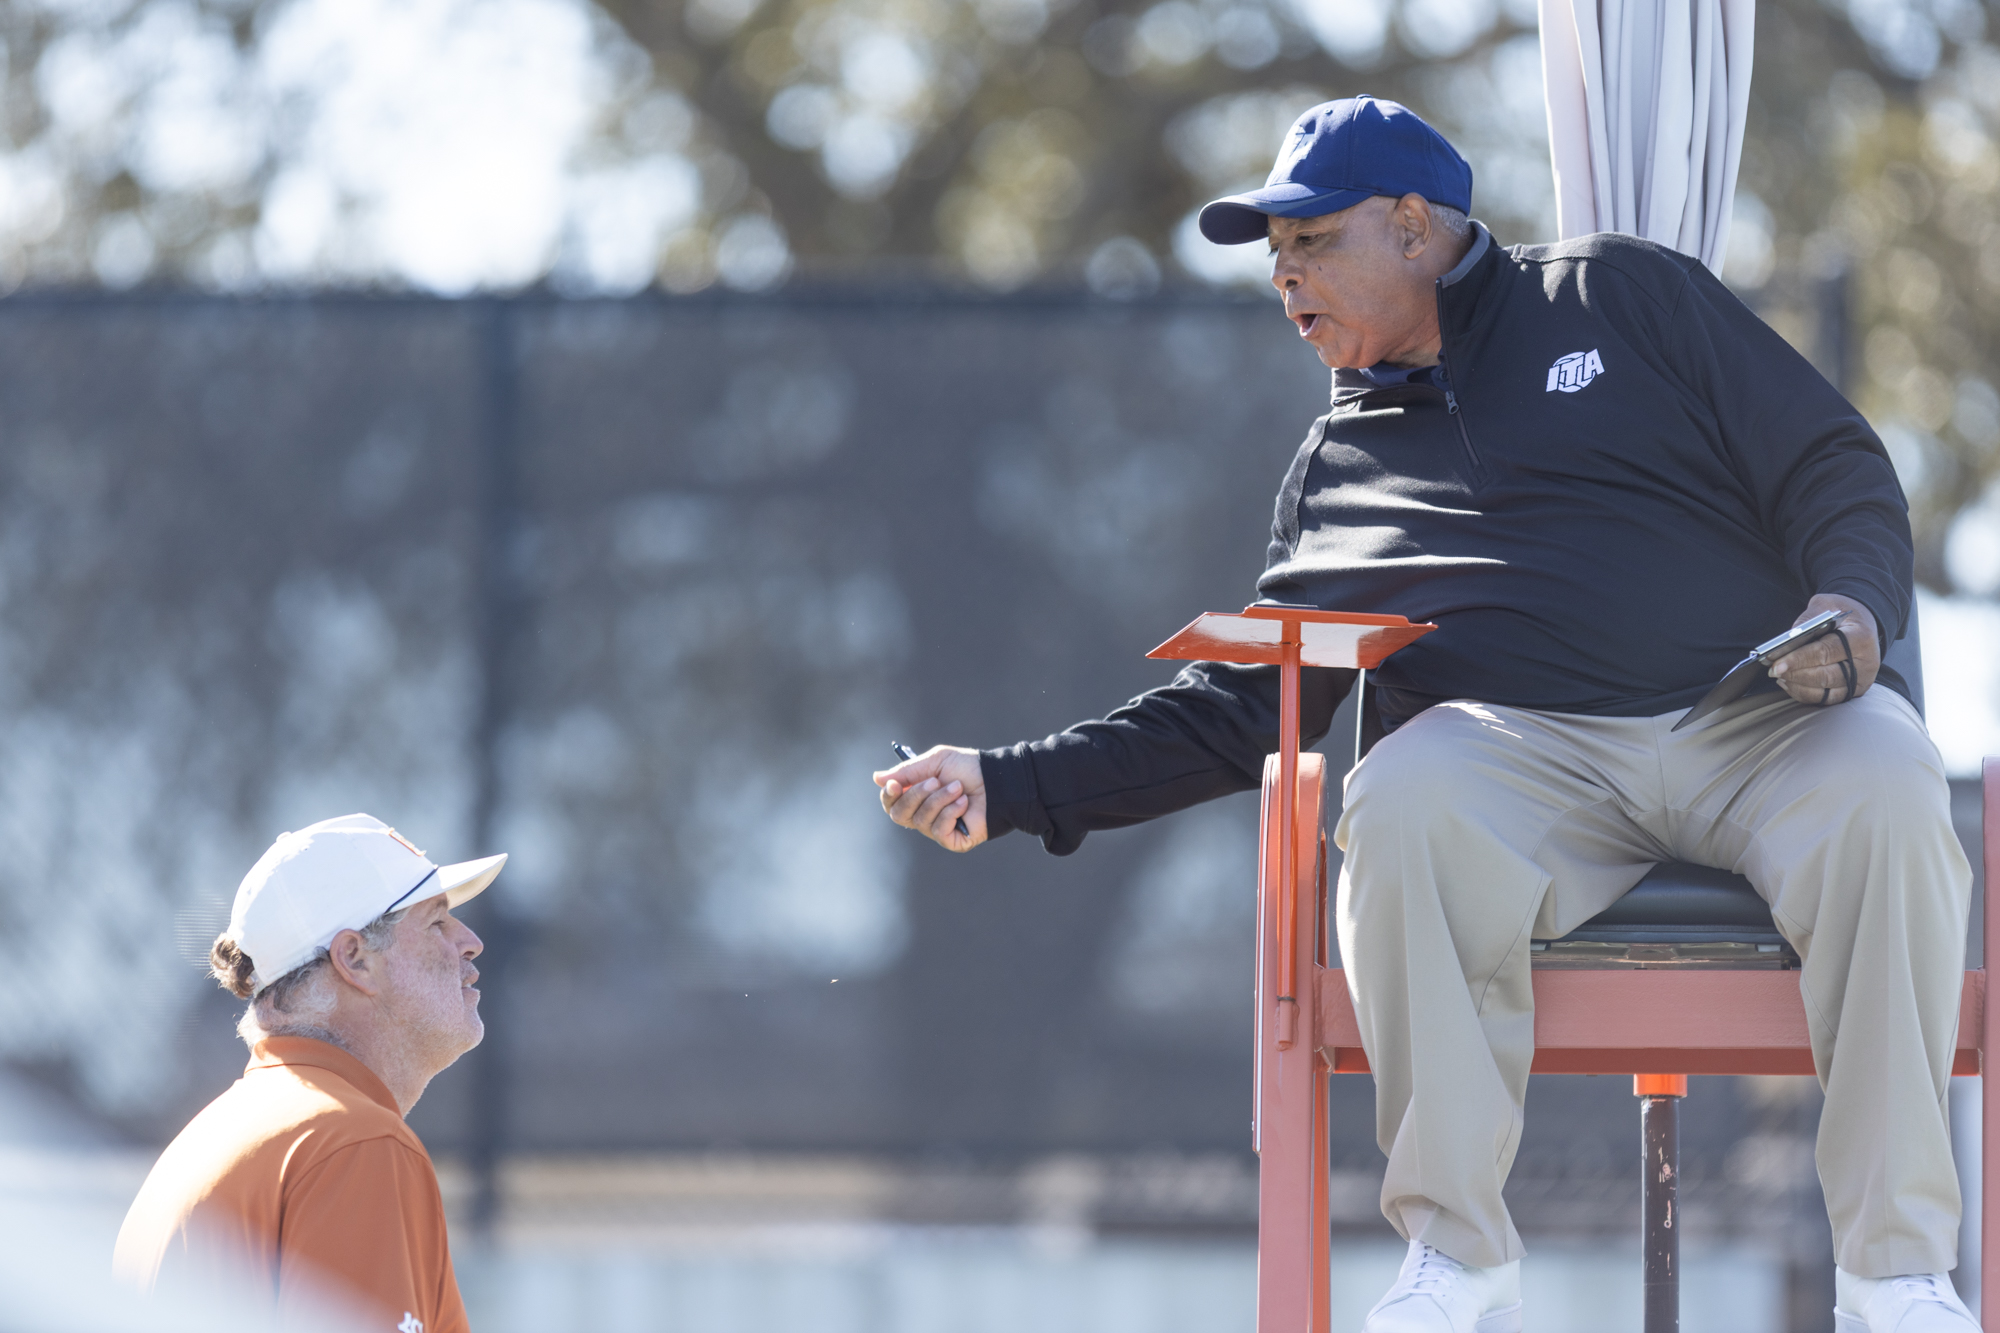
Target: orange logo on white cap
405, 841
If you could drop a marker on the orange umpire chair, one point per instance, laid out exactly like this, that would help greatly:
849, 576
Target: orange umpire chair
1686, 974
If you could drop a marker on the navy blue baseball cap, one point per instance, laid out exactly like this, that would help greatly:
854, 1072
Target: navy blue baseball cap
1338, 154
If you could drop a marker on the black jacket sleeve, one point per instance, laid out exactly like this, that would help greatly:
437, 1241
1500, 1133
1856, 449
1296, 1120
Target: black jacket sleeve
1818, 473
1203, 736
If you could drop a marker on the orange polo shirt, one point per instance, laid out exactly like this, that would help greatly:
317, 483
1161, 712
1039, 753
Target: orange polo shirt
303, 1182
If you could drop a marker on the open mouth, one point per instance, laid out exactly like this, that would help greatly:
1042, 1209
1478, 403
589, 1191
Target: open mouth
1306, 323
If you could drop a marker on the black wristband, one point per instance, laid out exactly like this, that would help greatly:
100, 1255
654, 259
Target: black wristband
1849, 673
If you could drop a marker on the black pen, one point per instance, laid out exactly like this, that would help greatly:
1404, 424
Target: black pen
906, 753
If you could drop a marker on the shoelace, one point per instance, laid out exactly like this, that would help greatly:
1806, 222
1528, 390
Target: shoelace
1434, 1271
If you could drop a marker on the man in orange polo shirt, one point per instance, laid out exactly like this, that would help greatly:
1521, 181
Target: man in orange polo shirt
301, 1186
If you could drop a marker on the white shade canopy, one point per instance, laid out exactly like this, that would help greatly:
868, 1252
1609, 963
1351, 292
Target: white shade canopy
1646, 102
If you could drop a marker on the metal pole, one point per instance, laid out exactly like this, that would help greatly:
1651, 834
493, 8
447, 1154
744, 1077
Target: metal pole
1659, 1182
496, 624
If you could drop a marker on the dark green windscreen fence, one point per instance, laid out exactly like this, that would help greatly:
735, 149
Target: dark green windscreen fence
639, 592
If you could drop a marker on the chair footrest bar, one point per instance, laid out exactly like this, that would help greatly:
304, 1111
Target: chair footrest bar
1625, 1060
1655, 1021
1714, 955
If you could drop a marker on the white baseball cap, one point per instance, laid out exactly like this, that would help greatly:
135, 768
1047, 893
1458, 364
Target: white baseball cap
339, 874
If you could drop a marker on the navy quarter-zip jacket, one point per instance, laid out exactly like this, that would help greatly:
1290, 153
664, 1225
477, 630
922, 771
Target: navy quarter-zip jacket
1624, 479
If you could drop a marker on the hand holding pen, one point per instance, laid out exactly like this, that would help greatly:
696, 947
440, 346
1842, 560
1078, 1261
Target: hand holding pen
940, 794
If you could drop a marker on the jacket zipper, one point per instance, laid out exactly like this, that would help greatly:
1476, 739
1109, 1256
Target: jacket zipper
1450, 398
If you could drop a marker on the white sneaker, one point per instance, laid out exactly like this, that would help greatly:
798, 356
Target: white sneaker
1435, 1293
1917, 1303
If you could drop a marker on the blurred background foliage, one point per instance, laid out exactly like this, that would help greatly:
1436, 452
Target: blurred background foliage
998, 144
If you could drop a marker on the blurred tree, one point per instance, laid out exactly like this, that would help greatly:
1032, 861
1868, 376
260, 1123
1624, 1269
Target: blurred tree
1868, 231
232, 142
1010, 139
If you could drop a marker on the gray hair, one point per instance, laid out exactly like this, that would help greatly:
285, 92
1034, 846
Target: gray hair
1451, 222
299, 1003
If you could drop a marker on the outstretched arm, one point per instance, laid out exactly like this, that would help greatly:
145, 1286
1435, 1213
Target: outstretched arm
1203, 736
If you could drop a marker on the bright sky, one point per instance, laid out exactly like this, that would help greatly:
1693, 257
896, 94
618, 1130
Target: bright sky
1962, 679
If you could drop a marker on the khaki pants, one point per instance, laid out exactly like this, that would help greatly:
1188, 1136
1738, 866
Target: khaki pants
1474, 828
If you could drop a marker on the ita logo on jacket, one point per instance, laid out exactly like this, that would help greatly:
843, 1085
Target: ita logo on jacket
1575, 370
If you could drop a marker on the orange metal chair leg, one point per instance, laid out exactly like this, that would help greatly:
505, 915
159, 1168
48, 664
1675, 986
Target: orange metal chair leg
1291, 1126
1322, 1218
1290, 1119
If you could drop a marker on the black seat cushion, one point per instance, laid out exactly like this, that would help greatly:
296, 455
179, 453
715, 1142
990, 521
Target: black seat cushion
1688, 903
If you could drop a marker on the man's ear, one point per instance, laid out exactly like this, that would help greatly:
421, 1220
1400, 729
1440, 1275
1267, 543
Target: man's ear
355, 963
1414, 224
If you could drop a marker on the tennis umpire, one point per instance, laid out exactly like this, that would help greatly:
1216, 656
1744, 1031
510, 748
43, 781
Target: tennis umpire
301, 1184
1603, 478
